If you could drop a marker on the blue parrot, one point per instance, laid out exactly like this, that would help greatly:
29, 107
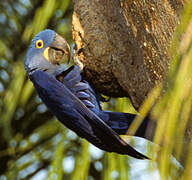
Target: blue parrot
72, 100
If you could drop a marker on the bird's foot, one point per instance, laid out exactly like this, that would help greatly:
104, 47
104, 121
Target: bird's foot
75, 56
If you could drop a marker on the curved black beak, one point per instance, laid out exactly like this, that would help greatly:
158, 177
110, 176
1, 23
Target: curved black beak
60, 44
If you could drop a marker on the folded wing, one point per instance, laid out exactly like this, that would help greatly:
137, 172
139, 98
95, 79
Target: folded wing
76, 116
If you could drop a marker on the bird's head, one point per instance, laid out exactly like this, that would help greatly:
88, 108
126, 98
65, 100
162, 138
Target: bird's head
47, 49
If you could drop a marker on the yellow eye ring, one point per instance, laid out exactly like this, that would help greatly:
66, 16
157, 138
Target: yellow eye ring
39, 44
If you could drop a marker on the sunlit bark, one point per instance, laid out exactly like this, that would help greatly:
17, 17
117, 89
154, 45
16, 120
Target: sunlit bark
124, 43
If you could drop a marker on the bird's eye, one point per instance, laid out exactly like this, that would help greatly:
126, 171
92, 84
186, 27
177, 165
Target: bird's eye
39, 44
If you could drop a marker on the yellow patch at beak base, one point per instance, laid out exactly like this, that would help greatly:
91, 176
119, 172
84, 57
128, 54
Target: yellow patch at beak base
46, 53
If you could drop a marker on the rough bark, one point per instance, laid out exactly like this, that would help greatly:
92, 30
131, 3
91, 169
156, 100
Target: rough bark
124, 43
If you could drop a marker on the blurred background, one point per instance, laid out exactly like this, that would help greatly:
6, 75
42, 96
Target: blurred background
33, 144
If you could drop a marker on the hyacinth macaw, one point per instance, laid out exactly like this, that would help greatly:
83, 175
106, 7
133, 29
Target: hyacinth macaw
72, 100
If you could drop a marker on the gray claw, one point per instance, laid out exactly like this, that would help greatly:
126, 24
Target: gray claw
76, 58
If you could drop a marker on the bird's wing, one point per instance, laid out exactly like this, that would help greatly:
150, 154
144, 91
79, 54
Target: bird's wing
76, 116
118, 121
81, 89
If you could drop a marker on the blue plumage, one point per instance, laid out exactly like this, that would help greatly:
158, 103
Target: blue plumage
72, 100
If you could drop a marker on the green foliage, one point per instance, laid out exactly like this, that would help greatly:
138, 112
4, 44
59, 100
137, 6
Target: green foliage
34, 145
174, 108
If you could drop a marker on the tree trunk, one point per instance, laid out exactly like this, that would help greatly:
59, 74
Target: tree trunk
124, 43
